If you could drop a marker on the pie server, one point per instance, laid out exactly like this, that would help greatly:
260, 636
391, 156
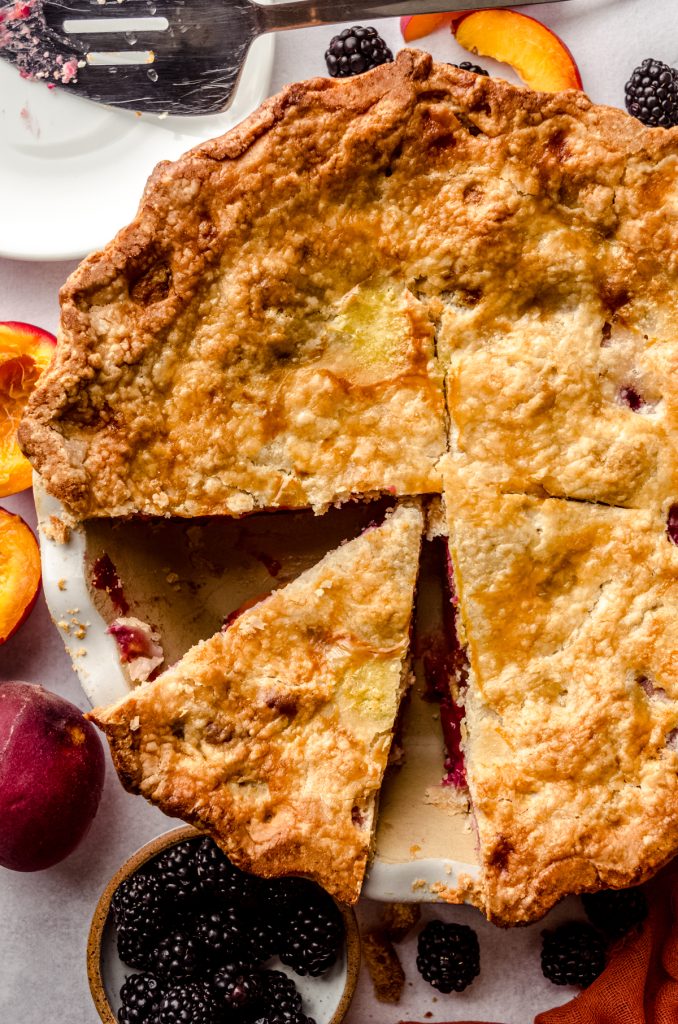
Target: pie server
185, 56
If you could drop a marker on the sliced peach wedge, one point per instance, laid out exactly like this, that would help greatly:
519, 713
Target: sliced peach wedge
19, 573
536, 53
25, 352
415, 26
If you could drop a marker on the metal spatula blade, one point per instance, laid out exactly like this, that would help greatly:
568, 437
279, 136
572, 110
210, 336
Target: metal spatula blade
185, 56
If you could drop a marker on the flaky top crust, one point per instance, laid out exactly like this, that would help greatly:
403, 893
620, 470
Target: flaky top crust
273, 330
273, 736
226, 351
570, 611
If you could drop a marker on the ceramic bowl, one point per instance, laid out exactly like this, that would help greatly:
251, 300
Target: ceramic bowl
325, 999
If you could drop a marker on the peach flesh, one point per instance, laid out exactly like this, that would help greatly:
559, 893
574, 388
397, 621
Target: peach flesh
25, 352
19, 573
415, 26
536, 53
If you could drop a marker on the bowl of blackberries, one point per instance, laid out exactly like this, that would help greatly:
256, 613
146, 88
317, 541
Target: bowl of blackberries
182, 936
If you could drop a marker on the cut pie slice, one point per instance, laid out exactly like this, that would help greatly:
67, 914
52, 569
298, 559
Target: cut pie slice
273, 735
570, 615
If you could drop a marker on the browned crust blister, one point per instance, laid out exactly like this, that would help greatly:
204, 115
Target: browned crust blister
370, 282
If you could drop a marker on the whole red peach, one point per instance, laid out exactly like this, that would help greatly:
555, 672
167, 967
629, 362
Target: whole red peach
51, 776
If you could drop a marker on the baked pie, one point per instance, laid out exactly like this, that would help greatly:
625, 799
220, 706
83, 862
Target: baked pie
567, 611
274, 735
366, 284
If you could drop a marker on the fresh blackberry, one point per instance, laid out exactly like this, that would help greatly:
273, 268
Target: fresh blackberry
137, 895
448, 956
236, 987
311, 940
140, 996
573, 954
134, 946
475, 68
652, 94
616, 911
279, 994
176, 956
139, 922
220, 931
284, 894
356, 50
217, 874
263, 940
176, 873
190, 1003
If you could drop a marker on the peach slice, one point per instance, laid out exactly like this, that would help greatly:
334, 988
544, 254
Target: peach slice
535, 52
414, 26
19, 573
25, 351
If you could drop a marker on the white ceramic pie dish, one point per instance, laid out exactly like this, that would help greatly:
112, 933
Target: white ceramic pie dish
424, 838
75, 169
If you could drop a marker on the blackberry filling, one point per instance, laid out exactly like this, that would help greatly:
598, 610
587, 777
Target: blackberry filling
445, 664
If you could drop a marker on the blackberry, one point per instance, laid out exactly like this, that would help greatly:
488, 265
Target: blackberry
616, 911
175, 956
192, 1003
140, 996
136, 895
475, 68
284, 894
652, 94
139, 925
134, 946
311, 940
263, 940
217, 874
220, 931
176, 874
448, 956
236, 987
573, 954
279, 994
356, 50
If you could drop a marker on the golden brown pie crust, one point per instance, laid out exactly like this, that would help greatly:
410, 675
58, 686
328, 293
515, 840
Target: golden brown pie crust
273, 330
569, 612
273, 736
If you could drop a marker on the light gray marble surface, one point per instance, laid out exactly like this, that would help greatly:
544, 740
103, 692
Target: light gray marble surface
44, 917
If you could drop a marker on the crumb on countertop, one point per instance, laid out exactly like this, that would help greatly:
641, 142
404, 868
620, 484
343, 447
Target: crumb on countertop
383, 964
397, 919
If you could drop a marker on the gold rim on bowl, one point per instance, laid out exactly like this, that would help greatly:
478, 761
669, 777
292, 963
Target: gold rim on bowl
137, 860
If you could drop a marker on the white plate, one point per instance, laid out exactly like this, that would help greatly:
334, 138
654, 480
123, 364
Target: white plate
420, 845
72, 171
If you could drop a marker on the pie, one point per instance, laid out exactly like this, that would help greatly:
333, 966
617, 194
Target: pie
374, 283
568, 615
274, 735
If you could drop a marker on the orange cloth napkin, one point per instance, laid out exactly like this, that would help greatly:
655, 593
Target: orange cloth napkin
640, 983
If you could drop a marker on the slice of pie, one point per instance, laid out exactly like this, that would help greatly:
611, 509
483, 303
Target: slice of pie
273, 735
569, 612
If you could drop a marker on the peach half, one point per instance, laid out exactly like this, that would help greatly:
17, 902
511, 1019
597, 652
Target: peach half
415, 26
19, 573
25, 352
536, 53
